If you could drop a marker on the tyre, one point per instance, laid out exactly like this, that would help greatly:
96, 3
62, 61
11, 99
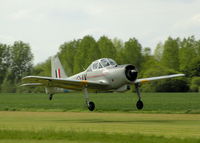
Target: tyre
91, 106
139, 105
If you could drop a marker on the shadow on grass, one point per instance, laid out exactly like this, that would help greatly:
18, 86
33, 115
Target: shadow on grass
118, 121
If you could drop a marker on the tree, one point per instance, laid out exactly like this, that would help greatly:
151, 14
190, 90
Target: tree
87, 52
158, 52
195, 84
170, 57
119, 46
187, 53
197, 47
9, 83
194, 67
66, 54
4, 61
21, 59
42, 69
18, 61
106, 48
148, 61
133, 52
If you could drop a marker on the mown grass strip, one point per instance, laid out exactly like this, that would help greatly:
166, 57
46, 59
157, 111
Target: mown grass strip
89, 136
109, 102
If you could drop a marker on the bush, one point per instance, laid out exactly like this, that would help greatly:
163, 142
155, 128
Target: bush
195, 84
173, 85
179, 84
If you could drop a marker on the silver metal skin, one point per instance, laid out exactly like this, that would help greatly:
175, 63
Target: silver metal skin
103, 75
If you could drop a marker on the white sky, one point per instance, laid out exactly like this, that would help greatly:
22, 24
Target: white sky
46, 24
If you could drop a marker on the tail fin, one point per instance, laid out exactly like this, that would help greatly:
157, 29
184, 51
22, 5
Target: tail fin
57, 70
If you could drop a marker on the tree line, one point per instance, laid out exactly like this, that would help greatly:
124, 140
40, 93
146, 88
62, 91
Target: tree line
15, 63
174, 55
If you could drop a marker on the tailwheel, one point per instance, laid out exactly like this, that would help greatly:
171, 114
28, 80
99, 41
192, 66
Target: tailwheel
91, 106
50, 96
139, 105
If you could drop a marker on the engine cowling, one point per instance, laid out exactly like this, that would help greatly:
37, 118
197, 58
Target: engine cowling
131, 73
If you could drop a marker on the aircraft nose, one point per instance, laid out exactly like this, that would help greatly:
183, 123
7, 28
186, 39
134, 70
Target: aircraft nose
131, 72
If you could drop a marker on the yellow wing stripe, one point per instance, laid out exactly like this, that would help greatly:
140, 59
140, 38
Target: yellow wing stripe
84, 82
144, 81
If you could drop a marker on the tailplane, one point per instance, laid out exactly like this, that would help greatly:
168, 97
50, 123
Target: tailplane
57, 70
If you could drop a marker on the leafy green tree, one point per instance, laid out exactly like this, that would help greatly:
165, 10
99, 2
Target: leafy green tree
21, 59
198, 47
146, 52
66, 54
133, 52
170, 57
9, 83
106, 48
87, 52
195, 84
187, 53
19, 63
4, 61
148, 61
43, 69
158, 52
194, 67
119, 46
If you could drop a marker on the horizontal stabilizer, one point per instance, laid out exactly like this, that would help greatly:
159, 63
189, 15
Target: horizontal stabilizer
32, 84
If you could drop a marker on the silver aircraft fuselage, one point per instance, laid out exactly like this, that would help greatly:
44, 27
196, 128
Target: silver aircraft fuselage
114, 76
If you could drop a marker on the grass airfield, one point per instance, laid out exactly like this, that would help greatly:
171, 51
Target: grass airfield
163, 120
62, 126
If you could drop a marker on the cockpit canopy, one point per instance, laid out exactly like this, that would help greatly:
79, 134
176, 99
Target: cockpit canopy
101, 63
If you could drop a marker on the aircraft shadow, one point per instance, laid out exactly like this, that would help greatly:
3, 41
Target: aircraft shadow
117, 121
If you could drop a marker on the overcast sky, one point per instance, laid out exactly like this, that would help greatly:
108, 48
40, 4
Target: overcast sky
46, 24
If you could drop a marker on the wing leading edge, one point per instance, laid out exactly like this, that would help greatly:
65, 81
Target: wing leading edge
143, 80
62, 83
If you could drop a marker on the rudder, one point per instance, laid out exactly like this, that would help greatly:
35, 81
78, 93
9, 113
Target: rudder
57, 70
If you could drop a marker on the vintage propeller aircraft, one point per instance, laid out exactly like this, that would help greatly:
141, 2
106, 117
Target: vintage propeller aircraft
103, 75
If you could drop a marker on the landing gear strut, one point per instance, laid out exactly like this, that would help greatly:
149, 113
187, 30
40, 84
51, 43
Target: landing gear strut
90, 104
139, 103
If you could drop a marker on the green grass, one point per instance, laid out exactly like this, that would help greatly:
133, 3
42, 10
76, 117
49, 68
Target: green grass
115, 119
98, 127
84, 137
120, 102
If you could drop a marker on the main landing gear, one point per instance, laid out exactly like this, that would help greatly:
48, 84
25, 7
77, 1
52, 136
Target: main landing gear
50, 96
139, 103
90, 104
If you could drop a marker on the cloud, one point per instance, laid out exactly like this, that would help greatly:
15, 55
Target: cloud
26, 15
48, 23
7, 39
21, 14
192, 22
196, 19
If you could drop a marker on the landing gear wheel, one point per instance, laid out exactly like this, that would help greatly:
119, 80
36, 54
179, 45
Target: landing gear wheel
50, 96
139, 105
91, 106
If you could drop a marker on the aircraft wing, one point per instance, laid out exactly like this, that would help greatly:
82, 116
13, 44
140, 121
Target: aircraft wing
143, 80
62, 83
